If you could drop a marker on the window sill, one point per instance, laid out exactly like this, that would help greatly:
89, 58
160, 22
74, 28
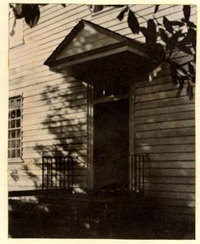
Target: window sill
15, 160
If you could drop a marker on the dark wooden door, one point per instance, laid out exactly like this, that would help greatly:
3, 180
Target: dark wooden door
111, 143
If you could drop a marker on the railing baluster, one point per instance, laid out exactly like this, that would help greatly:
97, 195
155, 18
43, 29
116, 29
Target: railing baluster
43, 173
143, 173
138, 170
64, 172
135, 172
57, 172
62, 168
72, 172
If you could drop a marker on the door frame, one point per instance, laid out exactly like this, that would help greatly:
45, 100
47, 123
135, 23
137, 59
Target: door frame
90, 132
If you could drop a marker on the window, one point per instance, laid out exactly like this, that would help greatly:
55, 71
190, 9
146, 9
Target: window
14, 127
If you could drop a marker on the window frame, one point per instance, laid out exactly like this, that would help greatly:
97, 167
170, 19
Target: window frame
16, 137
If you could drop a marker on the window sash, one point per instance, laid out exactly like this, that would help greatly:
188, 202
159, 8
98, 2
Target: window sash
14, 127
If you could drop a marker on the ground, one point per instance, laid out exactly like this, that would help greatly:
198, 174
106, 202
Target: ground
49, 217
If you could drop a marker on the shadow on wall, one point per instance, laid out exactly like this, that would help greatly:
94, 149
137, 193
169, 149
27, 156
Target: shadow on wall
63, 132
64, 128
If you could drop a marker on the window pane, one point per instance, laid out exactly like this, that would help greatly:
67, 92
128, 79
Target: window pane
9, 134
18, 133
18, 153
13, 134
12, 114
13, 145
9, 154
18, 143
9, 144
12, 153
18, 113
18, 123
18, 103
12, 123
12, 104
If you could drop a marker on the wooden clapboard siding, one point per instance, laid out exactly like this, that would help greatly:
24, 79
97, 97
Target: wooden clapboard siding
37, 101
63, 141
165, 117
164, 128
76, 104
24, 177
55, 108
54, 105
57, 124
34, 154
77, 126
173, 180
184, 100
163, 133
58, 135
184, 140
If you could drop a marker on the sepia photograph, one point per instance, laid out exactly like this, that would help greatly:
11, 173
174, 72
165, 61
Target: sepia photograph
101, 121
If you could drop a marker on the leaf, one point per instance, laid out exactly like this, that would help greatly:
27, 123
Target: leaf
144, 31
154, 72
181, 72
186, 50
173, 40
122, 13
174, 74
18, 11
156, 9
179, 77
157, 22
160, 53
191, 68
190, 91
186, 12
32, 14
151, 32
168, 25
192, 36
185, 41
133, 23
163, 35
177, 23
181, 83
192, 71
179, 68
191, 24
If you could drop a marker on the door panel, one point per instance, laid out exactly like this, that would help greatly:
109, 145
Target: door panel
111, 143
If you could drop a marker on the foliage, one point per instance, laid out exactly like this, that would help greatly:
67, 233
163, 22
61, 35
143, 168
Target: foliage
166, 38
162, 39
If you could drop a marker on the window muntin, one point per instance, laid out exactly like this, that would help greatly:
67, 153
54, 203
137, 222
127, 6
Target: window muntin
14, 127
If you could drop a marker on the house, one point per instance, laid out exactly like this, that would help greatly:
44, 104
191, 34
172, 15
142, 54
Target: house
79, 87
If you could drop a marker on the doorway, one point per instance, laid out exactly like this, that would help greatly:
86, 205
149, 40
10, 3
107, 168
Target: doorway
111, 144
